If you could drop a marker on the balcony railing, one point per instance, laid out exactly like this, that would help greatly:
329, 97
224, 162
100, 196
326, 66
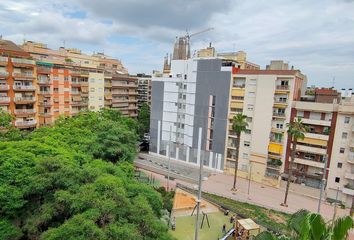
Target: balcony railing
278, 114
46, 70
238, 85
23, 75
4, 87
25, 123
44, 92
4, 59
282, 87
24, 111
281, 101
4, 74
276, 140
22, 61
4, 99
24, 87
19, 99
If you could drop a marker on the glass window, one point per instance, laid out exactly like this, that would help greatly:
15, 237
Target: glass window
339, 165
346, 119
341, 150
344, 135
337, 179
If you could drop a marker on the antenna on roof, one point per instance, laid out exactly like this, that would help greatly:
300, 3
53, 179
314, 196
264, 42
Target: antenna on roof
333, 81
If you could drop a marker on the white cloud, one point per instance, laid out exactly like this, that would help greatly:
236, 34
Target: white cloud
315, 36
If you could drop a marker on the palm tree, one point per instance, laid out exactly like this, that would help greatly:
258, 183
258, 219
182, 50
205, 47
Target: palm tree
296, 130
239, 125
305, 225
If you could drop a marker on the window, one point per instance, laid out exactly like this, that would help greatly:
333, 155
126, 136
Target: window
99, 98
346, 119
249, 119
344, 135
246, 143
341, 150
92, 80
251, 94
280, 125
237, 98
56, 77
339, 165
92, 90
114, 66
337, 179
99, 89
248, 131
55, 90
66, 78
250, 107
245, 156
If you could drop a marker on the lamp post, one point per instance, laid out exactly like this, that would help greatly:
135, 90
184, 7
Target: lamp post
199, 183
249, 180
169, 161
323, 182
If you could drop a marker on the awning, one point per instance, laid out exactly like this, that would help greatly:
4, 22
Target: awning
47, 64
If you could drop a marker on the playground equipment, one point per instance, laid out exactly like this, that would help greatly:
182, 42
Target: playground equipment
244, 229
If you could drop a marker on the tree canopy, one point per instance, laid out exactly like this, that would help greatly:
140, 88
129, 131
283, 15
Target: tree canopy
75, 180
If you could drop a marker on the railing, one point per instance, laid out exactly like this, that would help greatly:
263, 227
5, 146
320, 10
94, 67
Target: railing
4, 59
282, 87
25, 123
45, 114
45, 103
18, 99
44, 92
4, 87
4, 74
23, 74
19, 111
239, 85
75, 92
44, 69
280, 101
278, 114
275, 140
24, 87
4, 99
23, 61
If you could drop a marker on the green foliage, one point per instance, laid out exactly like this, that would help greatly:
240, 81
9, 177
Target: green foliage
5, 119
239, 123
75, 180
144, 119
297, 129
305, 225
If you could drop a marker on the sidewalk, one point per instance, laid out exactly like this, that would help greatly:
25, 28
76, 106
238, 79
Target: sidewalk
269, 197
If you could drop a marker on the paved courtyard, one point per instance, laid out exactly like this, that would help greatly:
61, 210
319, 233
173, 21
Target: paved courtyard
221, 184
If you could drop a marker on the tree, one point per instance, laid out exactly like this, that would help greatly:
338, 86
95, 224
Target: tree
75, 180
5, 119
144, 119
305, 225
239, 125
296, 130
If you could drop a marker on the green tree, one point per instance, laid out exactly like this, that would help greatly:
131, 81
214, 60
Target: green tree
305, 225
144, 119
296, 130
239, 125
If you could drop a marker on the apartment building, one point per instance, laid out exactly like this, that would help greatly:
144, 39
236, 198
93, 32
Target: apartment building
341, 172
241, 58
18, 85
144, 89
195, 94
265, 97
320, 118
124, 94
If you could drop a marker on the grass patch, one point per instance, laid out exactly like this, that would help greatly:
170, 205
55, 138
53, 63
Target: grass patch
185, 227
274, 220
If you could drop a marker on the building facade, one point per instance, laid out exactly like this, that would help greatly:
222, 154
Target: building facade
265, 97
341, 171
194, 95
38, 84
144, 89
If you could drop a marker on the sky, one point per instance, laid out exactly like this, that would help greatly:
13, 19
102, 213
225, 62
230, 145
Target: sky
314, 36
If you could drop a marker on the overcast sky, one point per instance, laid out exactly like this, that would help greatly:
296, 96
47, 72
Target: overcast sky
315, 36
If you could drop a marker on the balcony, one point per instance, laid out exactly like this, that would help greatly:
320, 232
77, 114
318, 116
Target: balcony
282, 88
309, 162
76, 83
45, 114
348, 189
316, 122
23, 112
22, 62
44, 92
75, 93
24, 100
276, 140
280, 103
4, 87
84, 84
239, 85
4, 74
45, 104
303, 148
317, 136
117, 84
3, 61
26, 124
44, 81
44, 70
23, 76
24, 88
76, 103
278, 114
349, 175
107, 85
4, 100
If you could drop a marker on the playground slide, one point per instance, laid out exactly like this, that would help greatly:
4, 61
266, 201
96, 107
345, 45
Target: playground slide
228, 234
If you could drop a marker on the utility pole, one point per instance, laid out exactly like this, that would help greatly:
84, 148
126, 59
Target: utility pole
169, 160
199, 183
323, 182
335, 206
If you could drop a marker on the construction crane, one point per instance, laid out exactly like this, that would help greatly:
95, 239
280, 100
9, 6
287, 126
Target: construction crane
188, 36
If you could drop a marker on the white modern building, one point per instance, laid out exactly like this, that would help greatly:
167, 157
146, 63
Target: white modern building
194, 94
